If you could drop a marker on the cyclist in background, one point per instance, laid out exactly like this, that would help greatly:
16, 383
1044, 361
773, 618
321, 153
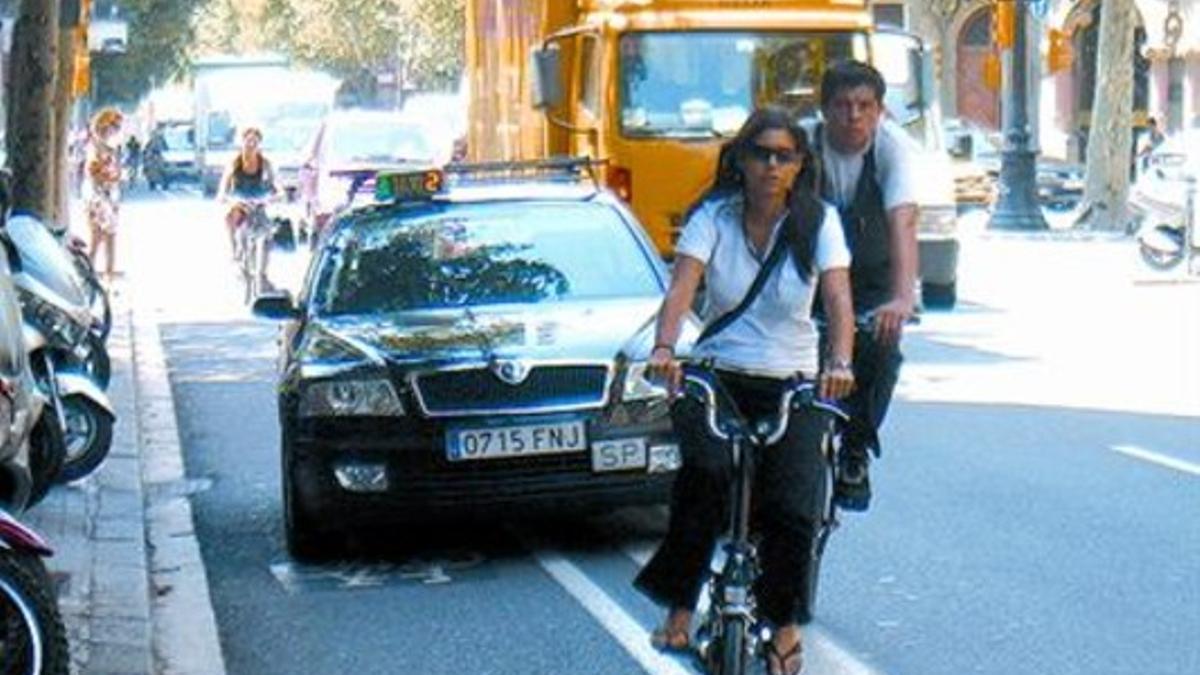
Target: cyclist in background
248, 179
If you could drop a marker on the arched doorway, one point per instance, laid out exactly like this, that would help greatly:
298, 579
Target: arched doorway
975, 101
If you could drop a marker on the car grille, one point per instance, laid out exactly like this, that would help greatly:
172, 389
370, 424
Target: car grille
480, 391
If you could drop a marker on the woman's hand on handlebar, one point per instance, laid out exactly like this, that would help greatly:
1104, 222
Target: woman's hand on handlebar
662, 365
837, 380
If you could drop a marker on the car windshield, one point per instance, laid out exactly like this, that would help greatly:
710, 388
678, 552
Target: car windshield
290, 137
464, 255
379, 142
706, 83
179, 138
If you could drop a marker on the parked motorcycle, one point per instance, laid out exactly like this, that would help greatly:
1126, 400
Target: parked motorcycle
54, 298
33, 638
58, 339
1170, 236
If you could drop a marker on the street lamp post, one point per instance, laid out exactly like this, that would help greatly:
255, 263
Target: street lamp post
1017, 207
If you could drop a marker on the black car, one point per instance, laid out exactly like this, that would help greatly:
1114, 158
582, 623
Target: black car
474, 344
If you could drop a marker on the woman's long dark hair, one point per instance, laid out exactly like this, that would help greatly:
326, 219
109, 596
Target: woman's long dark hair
806, 211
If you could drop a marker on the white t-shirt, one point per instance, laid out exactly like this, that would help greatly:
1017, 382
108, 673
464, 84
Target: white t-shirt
775, 336
895, 170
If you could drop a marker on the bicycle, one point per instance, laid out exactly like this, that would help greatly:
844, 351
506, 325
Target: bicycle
250, 246
730, 634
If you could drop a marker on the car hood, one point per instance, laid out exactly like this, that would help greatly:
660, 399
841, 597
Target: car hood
593, 330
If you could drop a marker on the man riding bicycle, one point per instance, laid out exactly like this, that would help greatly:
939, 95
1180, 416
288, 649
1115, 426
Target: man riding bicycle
248, 182
868, 174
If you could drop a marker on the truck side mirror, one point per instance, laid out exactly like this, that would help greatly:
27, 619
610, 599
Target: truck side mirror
547, 82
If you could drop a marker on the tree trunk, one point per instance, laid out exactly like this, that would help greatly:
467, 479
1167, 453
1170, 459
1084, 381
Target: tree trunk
31, 116
1110, 140
63, 96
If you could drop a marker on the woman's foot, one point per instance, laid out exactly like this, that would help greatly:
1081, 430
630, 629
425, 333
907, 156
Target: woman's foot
675, 634
785, 652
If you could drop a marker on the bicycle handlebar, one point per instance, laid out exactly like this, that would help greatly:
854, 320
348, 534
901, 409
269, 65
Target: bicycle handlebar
701, 382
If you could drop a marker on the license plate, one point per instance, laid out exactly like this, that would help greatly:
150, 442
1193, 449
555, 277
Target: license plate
515, 441
619, 455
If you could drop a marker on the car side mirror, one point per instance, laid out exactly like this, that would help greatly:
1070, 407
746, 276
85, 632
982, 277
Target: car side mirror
276, 306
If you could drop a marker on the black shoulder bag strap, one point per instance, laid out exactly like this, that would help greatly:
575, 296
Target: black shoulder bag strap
722, 322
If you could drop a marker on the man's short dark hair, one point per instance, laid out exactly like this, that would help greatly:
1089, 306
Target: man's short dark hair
849, 75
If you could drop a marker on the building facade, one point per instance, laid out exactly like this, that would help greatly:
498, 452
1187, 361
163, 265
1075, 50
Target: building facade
1166, 74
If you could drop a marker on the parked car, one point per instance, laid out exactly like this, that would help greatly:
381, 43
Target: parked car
170, 155
977, 157
352, 140
452, 352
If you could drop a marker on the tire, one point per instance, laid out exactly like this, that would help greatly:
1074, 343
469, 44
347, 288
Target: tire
97, 365
1160, 260
939, 296
306, 542
88, 437
733, 647
47, 449
32, 635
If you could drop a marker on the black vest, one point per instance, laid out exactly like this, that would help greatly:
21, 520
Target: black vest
865, 225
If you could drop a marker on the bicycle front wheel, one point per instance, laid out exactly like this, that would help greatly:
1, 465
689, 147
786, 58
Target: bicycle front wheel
733, 646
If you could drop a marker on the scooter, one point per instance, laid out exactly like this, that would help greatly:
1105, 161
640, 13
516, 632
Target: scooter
33, 638
54, 297
58, 341
1167, 239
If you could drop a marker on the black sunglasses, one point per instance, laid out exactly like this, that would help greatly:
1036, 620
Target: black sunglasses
764, 154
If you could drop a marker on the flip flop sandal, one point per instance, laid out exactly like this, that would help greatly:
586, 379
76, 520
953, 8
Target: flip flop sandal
774, 658
671, 641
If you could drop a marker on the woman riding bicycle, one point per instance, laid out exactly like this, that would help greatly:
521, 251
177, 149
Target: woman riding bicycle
765, 188
248, 180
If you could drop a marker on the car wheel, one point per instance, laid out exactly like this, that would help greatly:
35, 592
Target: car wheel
306, 542
939, 296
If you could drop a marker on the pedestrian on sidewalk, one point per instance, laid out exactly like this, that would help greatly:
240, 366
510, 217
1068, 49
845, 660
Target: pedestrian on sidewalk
102, 182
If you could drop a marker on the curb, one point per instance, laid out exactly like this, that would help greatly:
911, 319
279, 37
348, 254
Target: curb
185, 637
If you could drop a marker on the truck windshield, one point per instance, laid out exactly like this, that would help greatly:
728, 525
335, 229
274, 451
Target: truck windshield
706, 83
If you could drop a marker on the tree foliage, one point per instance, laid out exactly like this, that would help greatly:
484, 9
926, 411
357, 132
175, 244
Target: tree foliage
420, 40
159, 44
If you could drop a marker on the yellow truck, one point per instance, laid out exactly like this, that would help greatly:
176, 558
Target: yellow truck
653, 87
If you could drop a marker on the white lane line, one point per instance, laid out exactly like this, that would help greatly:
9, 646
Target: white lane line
824, 654
627, 631
1156, 458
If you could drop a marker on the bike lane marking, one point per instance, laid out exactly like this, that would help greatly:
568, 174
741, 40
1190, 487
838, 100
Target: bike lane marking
1157, 458
628, 632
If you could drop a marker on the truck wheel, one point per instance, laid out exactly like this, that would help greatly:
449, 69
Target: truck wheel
939, 296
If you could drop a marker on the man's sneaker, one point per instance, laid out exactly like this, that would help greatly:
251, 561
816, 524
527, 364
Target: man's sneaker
852, 491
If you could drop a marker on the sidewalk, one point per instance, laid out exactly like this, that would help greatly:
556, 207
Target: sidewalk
132, 587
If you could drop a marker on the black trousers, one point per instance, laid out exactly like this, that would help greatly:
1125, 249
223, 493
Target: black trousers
876, 371
788, 493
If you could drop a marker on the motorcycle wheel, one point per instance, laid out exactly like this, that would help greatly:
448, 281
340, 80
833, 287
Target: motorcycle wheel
733, 647
89, 436
1160, 260
47, 450
33, 638
97, 364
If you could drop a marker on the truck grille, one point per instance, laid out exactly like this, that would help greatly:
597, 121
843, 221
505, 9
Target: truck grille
479, 391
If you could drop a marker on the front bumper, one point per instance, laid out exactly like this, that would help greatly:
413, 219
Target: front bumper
421, 481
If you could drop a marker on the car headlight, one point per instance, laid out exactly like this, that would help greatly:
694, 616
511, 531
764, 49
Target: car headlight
51, 320
368, 397
637, 387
